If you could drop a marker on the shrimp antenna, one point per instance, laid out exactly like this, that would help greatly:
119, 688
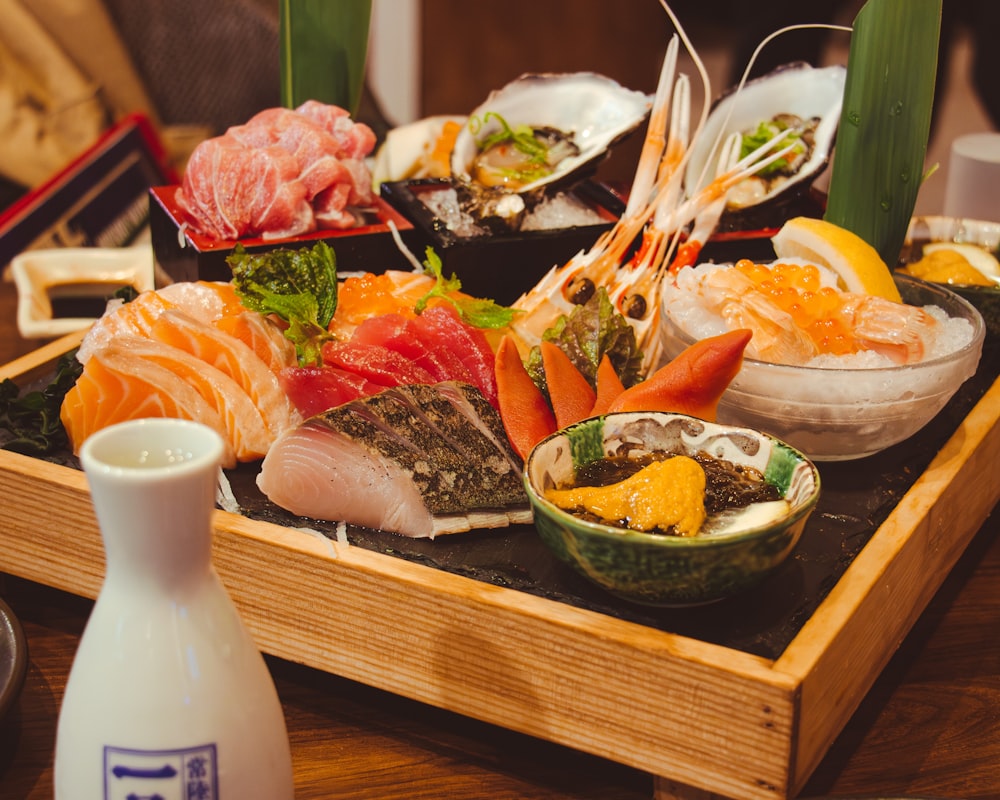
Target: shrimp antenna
746, 74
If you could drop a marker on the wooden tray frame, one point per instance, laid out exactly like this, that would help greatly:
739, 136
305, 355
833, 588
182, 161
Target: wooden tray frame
704, 720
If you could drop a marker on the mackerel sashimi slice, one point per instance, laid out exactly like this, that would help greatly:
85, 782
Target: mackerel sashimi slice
419, 460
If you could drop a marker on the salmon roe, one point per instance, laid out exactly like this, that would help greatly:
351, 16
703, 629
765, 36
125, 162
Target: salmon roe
815, 309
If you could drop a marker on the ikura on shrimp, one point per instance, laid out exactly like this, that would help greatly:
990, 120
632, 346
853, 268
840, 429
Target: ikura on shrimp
799, 317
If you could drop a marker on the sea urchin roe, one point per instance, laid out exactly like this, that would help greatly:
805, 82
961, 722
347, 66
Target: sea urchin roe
947, 266
664, 495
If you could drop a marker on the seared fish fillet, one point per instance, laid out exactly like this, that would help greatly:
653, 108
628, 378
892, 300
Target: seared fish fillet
419, 460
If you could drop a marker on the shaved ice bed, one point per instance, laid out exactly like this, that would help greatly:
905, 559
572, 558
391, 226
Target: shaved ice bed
554, 213
839, 407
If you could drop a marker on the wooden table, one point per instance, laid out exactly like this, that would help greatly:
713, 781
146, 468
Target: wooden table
930, 727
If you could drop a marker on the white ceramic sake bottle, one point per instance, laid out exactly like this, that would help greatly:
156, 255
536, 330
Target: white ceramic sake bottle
168, 696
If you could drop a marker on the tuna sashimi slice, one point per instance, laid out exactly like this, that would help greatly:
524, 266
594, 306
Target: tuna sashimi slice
409, 339
410, 459
376, 363
314, 390
315, 149
230, 191
441, 323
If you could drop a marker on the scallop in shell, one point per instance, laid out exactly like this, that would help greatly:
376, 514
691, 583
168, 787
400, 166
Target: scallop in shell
800, 96
568, 121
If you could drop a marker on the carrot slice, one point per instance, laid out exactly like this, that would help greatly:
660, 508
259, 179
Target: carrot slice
693, 382
609, 386
571, 396
524, 410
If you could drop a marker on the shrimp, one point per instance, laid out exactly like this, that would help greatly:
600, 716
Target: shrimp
630, 261
901, 333
632, 285
734, 298
798, 323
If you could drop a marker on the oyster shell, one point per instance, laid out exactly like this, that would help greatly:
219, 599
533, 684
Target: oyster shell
798, 93
575, 116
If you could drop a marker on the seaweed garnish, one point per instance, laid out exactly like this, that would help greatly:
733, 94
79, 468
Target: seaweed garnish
31, 421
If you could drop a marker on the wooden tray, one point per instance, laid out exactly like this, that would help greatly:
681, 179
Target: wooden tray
703, 718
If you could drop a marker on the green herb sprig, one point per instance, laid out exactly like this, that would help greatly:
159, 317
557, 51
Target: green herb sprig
478, 312
298, 286
522, 138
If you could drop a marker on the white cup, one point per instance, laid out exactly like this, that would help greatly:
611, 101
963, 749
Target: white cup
973, 187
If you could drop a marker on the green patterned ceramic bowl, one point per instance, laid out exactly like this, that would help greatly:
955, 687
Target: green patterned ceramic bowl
669, 570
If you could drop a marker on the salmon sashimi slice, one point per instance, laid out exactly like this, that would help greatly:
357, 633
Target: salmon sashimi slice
135, 318
245, 428
206, 301
233, 358
262, 336
203, 300
418, 460
115, 387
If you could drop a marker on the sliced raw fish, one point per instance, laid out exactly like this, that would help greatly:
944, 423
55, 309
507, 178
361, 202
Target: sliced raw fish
315, 150
409, 338
262, 336
442, 324
418, 460
314, 390
233, 358
230, 190
206, 301
376, 363
146, 363
115, 386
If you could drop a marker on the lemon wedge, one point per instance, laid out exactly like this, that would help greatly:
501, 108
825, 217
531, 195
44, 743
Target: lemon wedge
858, 265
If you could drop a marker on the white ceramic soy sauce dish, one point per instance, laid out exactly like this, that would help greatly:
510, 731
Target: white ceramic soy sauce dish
77, 279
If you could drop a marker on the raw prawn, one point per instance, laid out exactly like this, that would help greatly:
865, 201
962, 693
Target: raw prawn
796, 313
902, 333
656, 216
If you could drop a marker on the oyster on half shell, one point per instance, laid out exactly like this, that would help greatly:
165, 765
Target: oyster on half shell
572, 120
798, 94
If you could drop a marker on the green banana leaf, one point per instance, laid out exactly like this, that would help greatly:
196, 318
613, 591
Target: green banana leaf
885, 123
322, 48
